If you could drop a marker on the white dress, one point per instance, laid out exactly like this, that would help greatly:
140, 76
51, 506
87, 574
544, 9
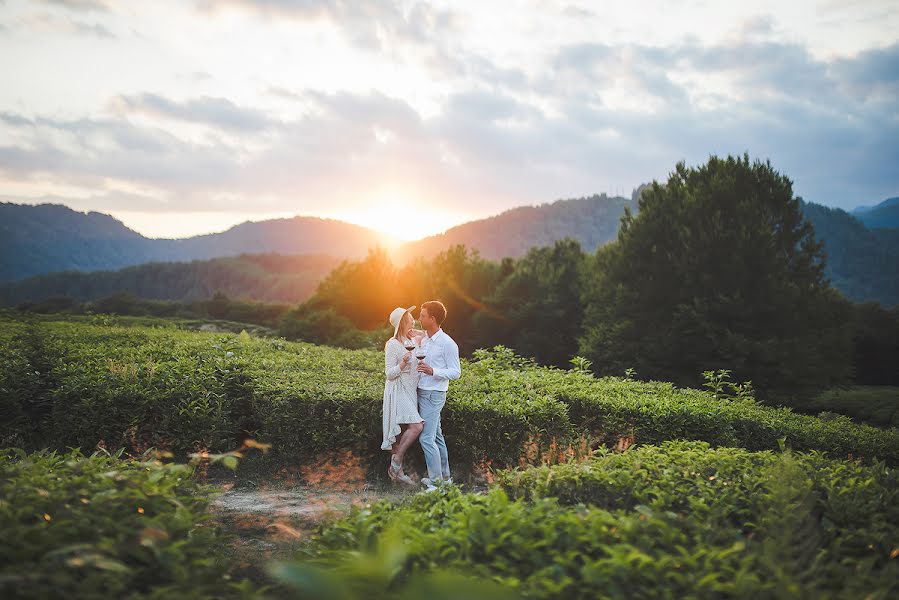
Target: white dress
400, 393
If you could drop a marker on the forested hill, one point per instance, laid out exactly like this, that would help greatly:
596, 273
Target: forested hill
50, 238
262, 277
592, 221
885, 214
862, 263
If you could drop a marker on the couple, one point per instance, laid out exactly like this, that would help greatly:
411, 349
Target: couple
415, 390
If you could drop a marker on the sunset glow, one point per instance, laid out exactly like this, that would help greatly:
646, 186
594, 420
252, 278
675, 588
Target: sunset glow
363, 111
402, 218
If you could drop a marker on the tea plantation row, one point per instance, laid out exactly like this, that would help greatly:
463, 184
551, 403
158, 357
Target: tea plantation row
681, 520
76, 384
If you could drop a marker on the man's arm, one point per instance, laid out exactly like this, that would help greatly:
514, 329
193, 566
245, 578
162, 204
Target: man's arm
453, 369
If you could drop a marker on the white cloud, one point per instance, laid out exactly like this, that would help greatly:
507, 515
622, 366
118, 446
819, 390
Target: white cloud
326, 107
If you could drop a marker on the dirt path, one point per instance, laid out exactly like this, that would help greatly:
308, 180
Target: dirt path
272, 522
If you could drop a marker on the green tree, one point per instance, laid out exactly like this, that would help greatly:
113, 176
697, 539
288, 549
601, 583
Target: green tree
458, 277
536, 309
364, 292
718, 270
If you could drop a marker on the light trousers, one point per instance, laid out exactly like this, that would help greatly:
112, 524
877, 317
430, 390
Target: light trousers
430, 403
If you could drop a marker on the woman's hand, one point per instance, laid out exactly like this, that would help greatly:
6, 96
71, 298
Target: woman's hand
405, 362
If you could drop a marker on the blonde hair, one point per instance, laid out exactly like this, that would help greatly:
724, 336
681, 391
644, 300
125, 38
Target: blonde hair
396, 335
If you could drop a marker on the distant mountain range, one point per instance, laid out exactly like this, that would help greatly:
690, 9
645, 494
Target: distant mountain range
863, 262
50, 237
884, 215
591, 221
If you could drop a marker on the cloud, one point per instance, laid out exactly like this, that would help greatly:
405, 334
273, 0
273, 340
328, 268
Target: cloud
88, 152
53, 23
585, 117
578, 12
79, 5
218, 112
374, 24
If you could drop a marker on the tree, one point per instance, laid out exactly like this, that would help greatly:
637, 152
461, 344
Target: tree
365, 291
458, 277
718, 270
536, 309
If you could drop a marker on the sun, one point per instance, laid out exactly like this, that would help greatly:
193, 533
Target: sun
399, 218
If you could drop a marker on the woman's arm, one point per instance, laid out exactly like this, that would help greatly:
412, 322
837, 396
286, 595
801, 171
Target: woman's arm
394, 360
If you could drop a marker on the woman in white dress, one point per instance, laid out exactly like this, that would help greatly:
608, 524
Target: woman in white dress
401, 422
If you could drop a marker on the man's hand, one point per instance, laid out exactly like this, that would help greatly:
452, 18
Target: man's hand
425, 368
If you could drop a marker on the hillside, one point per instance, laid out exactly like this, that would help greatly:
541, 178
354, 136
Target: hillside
884, 215
261, 277
51, 238
592, 221
862, 263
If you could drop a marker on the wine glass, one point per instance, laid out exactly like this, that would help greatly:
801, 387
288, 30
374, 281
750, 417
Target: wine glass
409, 344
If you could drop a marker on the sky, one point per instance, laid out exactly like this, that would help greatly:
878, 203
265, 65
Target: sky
190, 116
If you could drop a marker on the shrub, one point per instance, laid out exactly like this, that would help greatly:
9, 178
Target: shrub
99, 527
137, 387
681, 520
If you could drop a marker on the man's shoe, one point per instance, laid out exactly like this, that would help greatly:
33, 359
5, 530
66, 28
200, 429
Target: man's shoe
429, 489
427, 481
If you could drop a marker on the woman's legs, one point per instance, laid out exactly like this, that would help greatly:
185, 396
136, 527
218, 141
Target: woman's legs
410, 432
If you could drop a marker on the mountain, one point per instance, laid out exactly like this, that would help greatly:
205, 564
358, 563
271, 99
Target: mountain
50, 237
592, 221
862, 263
884, 215
268, 278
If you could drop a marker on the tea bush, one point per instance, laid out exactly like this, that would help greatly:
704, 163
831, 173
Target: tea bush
66, 383
98, 526
680, 520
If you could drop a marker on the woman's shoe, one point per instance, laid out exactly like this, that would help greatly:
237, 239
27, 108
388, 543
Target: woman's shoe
395, 472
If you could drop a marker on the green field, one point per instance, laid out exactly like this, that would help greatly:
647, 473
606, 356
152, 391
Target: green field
687, 495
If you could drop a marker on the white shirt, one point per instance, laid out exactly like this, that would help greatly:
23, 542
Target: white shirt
442, 355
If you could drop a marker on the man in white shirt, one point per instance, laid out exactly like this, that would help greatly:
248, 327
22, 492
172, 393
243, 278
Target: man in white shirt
440, 364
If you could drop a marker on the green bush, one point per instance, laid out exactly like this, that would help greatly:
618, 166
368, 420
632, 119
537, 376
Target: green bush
681, 520
66, 383
98, 526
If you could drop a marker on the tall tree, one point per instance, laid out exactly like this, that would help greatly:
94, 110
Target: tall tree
718, 270
536, 309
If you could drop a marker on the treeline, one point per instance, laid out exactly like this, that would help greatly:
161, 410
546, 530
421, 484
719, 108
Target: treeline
270, 278
718, 269
218, 307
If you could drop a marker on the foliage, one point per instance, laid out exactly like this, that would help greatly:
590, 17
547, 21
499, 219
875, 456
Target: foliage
876, 405
140, 387
100, 526
252, 278
876, 334
535, 308
366, 291
324, 326
717, 270
681, 520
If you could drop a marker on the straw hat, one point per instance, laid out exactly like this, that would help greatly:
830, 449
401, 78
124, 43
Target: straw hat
397, 316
